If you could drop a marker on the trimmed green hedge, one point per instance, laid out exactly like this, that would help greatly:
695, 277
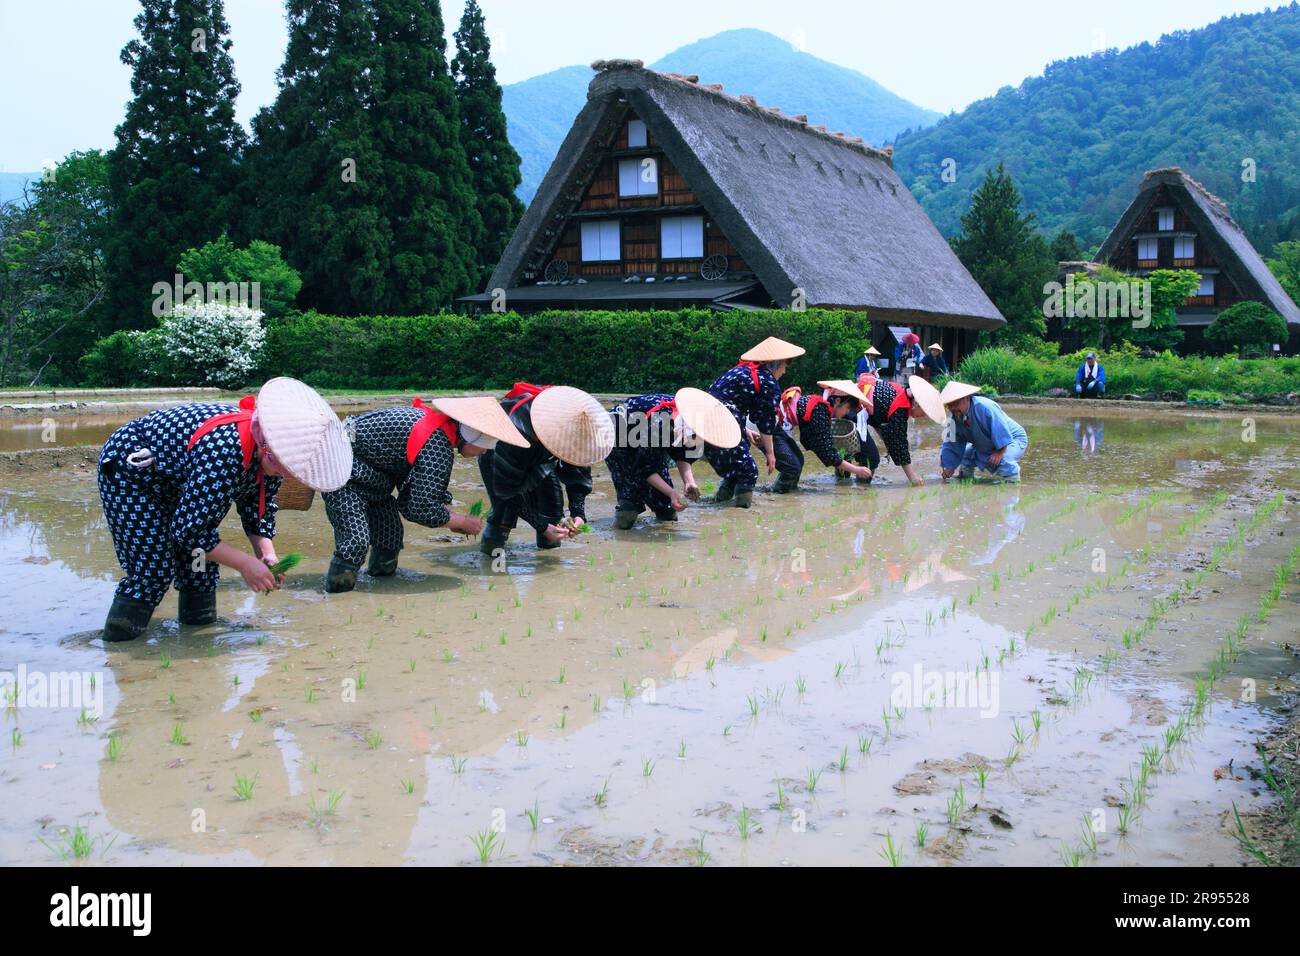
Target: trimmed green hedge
1128, 372
598, 351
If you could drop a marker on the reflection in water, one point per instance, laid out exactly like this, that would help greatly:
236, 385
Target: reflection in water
1088, 434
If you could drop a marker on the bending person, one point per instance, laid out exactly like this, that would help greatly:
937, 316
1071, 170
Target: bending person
812, 415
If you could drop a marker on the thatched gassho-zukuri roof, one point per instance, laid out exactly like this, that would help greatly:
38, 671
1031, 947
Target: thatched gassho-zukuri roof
806, 208
1232, 248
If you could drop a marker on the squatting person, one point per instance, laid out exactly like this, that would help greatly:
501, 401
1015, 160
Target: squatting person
983, 436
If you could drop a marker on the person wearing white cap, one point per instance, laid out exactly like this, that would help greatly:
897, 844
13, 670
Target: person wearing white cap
653, 432
812, 415
983, 436
409, 450
568, 431
167, 480
751, 392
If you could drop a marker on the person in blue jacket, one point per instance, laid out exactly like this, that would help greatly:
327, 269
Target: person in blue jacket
933, 365
1090, 380
980, 435
908, 350
867, 365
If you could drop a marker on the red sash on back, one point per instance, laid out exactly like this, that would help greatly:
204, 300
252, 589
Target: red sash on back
525, 393
243, 421
753, 372
423, 430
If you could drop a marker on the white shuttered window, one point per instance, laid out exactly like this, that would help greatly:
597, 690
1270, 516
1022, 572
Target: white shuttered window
681, 237
600, 241
638, 177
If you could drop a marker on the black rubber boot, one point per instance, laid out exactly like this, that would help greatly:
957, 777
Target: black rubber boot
383, 563
785, 484
625, 518
545, 545
196, 608
127, 619
492, 539
668, 514
744, 497
341, 576
725, 491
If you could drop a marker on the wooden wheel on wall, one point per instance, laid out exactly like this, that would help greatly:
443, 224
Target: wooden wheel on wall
556, 270
714, 267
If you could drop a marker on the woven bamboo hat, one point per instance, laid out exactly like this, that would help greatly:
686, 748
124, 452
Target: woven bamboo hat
927, 396
936, 346
483, 414
953, 391
846, 387
304, 434
872, 351
772, 349
572, 426
707, 417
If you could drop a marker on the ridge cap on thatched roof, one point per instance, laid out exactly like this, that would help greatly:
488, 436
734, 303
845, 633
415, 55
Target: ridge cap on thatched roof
1217, 204
750, 104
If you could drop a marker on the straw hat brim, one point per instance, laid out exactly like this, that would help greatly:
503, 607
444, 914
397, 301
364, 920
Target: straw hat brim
772, 349
927, 396
935, 345
707, 417
954, 391
871, 351
483, 414
572, 425
304, 434
846, 387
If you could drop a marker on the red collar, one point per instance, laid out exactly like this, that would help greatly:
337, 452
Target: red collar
525, 393
243, 421
423, 430
753, 372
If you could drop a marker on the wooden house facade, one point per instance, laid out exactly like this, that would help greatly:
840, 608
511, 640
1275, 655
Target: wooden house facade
667, 193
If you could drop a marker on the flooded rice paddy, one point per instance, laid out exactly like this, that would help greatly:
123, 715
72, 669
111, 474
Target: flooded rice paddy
951, 675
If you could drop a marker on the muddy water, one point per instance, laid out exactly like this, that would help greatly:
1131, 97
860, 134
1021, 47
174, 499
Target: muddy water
648, 690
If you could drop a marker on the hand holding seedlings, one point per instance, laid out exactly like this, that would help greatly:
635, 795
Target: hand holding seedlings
469, 524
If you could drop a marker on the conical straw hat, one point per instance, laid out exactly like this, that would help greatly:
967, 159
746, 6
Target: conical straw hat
707, 417
848, 388
772, 349
872, 351
927, 396
483, 414
304, 434
572, 426
953, 391
936, 345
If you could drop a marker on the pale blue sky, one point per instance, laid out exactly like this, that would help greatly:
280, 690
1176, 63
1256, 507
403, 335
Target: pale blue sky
62, 85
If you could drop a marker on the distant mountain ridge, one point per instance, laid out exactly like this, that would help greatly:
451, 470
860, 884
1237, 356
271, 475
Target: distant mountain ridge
1222, 102
540, 110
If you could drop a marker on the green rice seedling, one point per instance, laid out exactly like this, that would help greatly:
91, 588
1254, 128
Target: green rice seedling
287, 563
744, 822
178, 736
922, 831
77, 844
16, 738
311, 695
458, 764
1012, 756
85, 719
699, 855
629, 690
864, 744
1089, 837
521, 739
534, 817
373, 740
1072, 855
244, 786
647, 767
563, 721
813, 777
501, 639
476, 509
1247, 844
595, 703
840, 667
115, 748
166, 661
411, 665
982, 776
602, 795
956, 804
1017, 732
487, 843
1125, 814
361, 680
891, 854
752, 702
408, 786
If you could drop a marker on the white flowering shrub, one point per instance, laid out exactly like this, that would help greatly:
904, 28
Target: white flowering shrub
209, 343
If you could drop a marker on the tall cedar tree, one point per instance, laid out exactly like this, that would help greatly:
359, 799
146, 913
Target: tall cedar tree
492, 160
171, 174
1004, 254
356, 171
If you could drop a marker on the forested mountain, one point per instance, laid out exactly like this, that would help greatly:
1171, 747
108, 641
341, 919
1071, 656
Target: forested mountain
1223, 102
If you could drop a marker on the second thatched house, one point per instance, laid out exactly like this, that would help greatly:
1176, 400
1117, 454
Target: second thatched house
668, 193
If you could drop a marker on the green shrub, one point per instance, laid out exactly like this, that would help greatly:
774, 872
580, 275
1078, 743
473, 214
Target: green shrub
116, 361
601, 351
1004, 370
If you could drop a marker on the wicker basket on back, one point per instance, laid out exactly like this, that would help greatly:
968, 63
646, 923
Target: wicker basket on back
844, 432
294, 495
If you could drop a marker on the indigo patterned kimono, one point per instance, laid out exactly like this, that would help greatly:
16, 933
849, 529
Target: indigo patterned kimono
749, 391
631, 467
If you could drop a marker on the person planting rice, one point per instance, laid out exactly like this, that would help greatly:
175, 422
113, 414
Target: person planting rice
167, 480
750, 391
812, 415
408, 450
654, 431
568, 431
888, 407
983, 436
